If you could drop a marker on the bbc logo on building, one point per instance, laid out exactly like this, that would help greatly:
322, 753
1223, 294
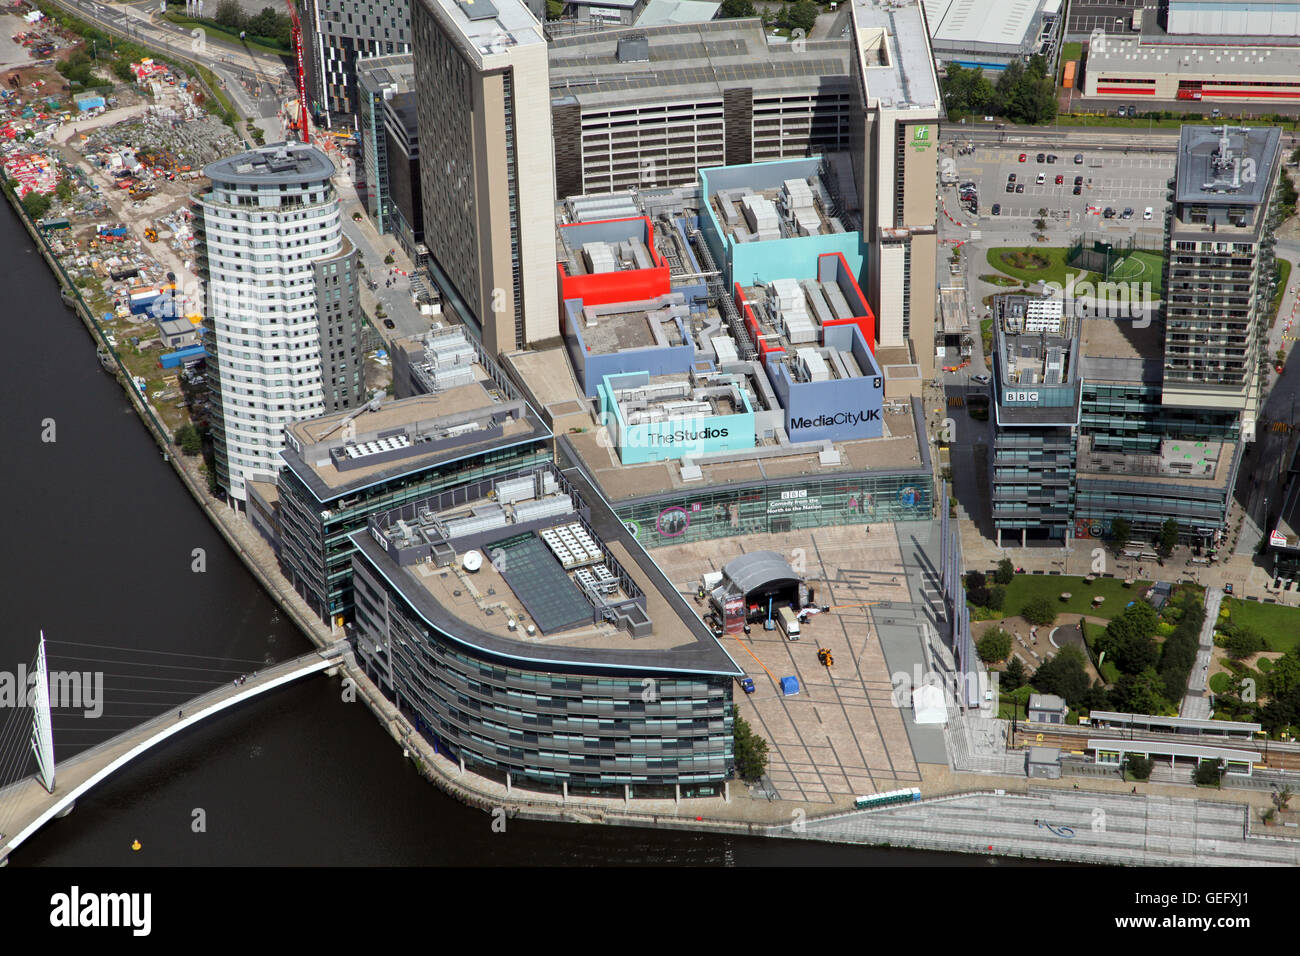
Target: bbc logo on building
1011, 396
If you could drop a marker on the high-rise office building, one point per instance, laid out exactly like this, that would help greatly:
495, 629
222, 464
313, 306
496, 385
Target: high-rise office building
483, 100
1219, 273
282, 317
895, 114
390, 150
337, 33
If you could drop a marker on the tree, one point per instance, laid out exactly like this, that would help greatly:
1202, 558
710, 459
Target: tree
803, 16
1040, 224
979, 596
1063, 675
36, 204
751, 752
997, 597
1168, 538
1013, 678
1038, 611
1138, 767
189, 439
735, 9
65, 190
231, 15
994, 646
1006, 572
975, 579
1140, 693
1285, 675
1243, 642
1121, 529
968, 91
1208, 773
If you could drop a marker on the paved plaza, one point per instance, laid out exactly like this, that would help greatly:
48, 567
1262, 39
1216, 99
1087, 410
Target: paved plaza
842, 734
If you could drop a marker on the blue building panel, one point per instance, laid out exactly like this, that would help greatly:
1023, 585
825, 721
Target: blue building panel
844, 409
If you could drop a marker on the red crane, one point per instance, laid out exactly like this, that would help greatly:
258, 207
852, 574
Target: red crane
302, 73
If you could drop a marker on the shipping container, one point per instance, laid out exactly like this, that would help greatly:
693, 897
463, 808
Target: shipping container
1067, 82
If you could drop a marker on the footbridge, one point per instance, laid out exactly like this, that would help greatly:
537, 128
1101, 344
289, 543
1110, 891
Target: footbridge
28, 805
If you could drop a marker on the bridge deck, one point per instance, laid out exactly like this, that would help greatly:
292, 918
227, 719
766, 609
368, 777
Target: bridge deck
27, 806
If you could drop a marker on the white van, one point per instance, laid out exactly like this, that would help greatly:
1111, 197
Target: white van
789, 622
1146, 214
1042, 178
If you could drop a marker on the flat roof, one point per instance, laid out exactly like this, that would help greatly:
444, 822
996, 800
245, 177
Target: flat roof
392, 69
275, 163
963, 22
692, 61
1192, 722
901, 449
661, 12
419, 416
1207, 463
487, 28
678, 642
1211, 160
1172, 749
1245, 59
1122, 351
905, 77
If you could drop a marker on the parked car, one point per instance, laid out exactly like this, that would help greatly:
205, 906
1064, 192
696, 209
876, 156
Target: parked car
388, 324
1011, 187
1127, 213
1060, 180
1011, 177
1147, 213
1023, 157
1020, 187
997, 209
1051, 158
981, 378
1109, 213
1041, 157
747, 684
1078, 190
1078, 180
1042, 178
1227, 589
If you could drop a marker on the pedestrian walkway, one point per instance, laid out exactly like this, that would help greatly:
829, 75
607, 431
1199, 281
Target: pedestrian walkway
1196, 702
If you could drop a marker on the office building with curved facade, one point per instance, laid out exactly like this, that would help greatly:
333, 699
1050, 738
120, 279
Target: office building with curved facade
526, 633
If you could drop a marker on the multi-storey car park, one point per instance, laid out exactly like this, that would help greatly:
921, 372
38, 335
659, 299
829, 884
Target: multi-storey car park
649, 107
526, 632
281, 325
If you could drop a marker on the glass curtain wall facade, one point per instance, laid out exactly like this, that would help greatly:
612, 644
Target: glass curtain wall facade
778, 506
315, 552
591, 730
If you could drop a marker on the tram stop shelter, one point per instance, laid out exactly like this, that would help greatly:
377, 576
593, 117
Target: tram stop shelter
1112, 751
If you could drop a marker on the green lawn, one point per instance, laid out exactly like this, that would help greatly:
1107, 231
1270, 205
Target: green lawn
986, 336
1283, 277
1032, 264
265, 44
1279, 625
1071, 51
1091, 119
1025, 587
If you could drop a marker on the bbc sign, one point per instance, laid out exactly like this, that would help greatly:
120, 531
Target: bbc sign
1019, 398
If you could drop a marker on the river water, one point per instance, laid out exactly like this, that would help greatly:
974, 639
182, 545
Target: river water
101, 536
